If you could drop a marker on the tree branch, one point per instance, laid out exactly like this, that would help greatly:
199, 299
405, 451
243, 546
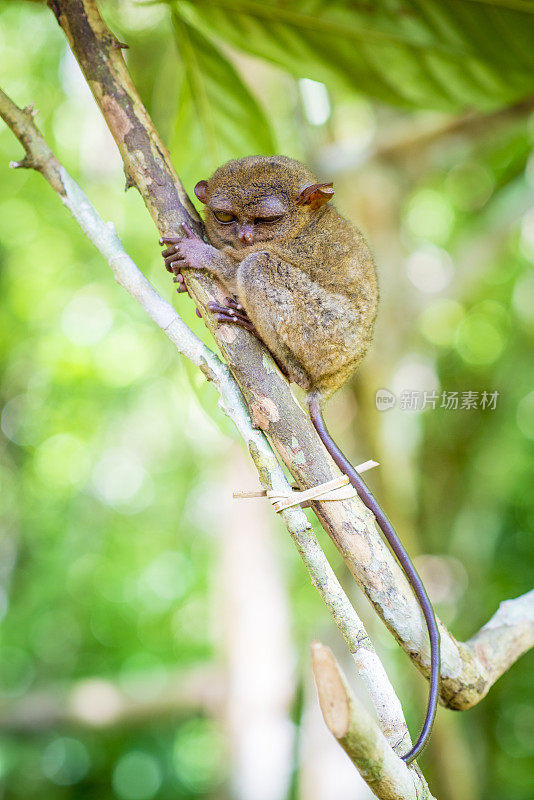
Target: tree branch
409, 137
272, 405
385, 773
506, 636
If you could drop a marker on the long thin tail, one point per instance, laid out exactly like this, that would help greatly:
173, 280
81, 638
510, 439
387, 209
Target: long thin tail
393, 540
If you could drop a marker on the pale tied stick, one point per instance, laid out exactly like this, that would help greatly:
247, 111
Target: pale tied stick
336, 489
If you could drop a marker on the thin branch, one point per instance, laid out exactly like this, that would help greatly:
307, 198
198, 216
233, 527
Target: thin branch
38, 155
385, 773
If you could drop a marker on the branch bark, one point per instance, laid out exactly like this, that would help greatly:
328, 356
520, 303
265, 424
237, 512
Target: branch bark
506, 636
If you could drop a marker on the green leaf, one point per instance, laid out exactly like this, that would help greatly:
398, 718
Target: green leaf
218, 118
420, 53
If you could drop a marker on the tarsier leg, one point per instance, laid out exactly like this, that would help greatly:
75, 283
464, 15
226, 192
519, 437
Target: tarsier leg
273, 307
234, 313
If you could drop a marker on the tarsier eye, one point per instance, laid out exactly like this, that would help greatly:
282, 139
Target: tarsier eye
268, 220
224, 216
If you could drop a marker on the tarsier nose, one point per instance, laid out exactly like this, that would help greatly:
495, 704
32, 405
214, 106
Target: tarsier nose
246, 234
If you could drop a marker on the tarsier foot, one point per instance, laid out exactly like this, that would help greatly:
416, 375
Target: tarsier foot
232, 312
231, 302
231, 308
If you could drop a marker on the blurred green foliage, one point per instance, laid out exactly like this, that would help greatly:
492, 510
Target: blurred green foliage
420, 54
111, 445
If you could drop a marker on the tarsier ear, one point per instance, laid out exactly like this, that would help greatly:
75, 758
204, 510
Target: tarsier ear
316, 195
201, 191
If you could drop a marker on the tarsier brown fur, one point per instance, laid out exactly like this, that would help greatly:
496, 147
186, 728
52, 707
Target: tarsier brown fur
303, 280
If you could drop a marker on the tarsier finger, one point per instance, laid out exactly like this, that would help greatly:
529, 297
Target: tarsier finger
188, 232
173, 259
169, 251
176, 258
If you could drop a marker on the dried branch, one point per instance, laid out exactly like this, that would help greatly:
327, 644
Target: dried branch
385, 773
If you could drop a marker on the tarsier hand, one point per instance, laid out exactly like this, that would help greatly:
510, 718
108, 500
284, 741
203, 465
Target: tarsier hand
185, 251
191, 251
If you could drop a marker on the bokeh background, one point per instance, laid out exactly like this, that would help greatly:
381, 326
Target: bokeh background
155, 634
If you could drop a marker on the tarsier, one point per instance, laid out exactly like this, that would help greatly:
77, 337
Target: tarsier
303, 280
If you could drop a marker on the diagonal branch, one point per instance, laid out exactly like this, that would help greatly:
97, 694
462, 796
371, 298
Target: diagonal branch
464, 678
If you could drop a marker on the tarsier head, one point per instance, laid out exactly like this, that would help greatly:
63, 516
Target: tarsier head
259, 198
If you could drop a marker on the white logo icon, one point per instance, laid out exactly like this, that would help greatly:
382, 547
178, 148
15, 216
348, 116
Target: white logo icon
384, 400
